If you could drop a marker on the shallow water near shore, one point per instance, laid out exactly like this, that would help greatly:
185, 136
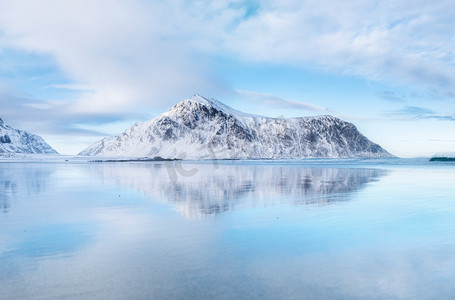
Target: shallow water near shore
315, 229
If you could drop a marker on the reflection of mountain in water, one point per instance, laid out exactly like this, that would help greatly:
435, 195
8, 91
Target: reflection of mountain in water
17, 179
215, 190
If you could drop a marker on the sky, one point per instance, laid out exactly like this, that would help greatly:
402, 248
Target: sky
74, 72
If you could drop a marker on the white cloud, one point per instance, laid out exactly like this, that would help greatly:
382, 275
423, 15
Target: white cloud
404, 41
69, 86
145, 51
275, 101
125, 50
128, 57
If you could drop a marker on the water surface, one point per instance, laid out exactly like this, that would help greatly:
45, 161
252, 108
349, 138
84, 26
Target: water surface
227, 230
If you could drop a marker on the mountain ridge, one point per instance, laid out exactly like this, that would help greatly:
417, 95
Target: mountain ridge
202, 128
19, 141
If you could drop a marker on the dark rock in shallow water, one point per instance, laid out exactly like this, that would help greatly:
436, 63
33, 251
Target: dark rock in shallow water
141, 159
442, 158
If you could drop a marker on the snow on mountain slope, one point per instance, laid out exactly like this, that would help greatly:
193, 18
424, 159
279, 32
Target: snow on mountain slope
201, 128
19, 141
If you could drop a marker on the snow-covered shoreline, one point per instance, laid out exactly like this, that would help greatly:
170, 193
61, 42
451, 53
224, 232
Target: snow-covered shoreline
25, 157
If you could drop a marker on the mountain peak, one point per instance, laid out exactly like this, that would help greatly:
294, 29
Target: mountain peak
206, 101
220, 106
196, 101
198, 97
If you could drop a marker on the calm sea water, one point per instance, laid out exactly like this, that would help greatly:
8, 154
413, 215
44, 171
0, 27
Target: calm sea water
228, 230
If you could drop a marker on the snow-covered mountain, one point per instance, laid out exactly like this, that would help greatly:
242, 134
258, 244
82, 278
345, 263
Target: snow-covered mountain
19, 141
200, 128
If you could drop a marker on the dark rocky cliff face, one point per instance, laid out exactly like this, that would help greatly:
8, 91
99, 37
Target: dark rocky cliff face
5, 139
200, 128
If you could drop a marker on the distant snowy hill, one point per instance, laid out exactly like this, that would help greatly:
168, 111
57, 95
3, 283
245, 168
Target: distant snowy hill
19, 141
200, 128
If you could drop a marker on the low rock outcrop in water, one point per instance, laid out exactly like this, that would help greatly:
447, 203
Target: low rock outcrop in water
442, 158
